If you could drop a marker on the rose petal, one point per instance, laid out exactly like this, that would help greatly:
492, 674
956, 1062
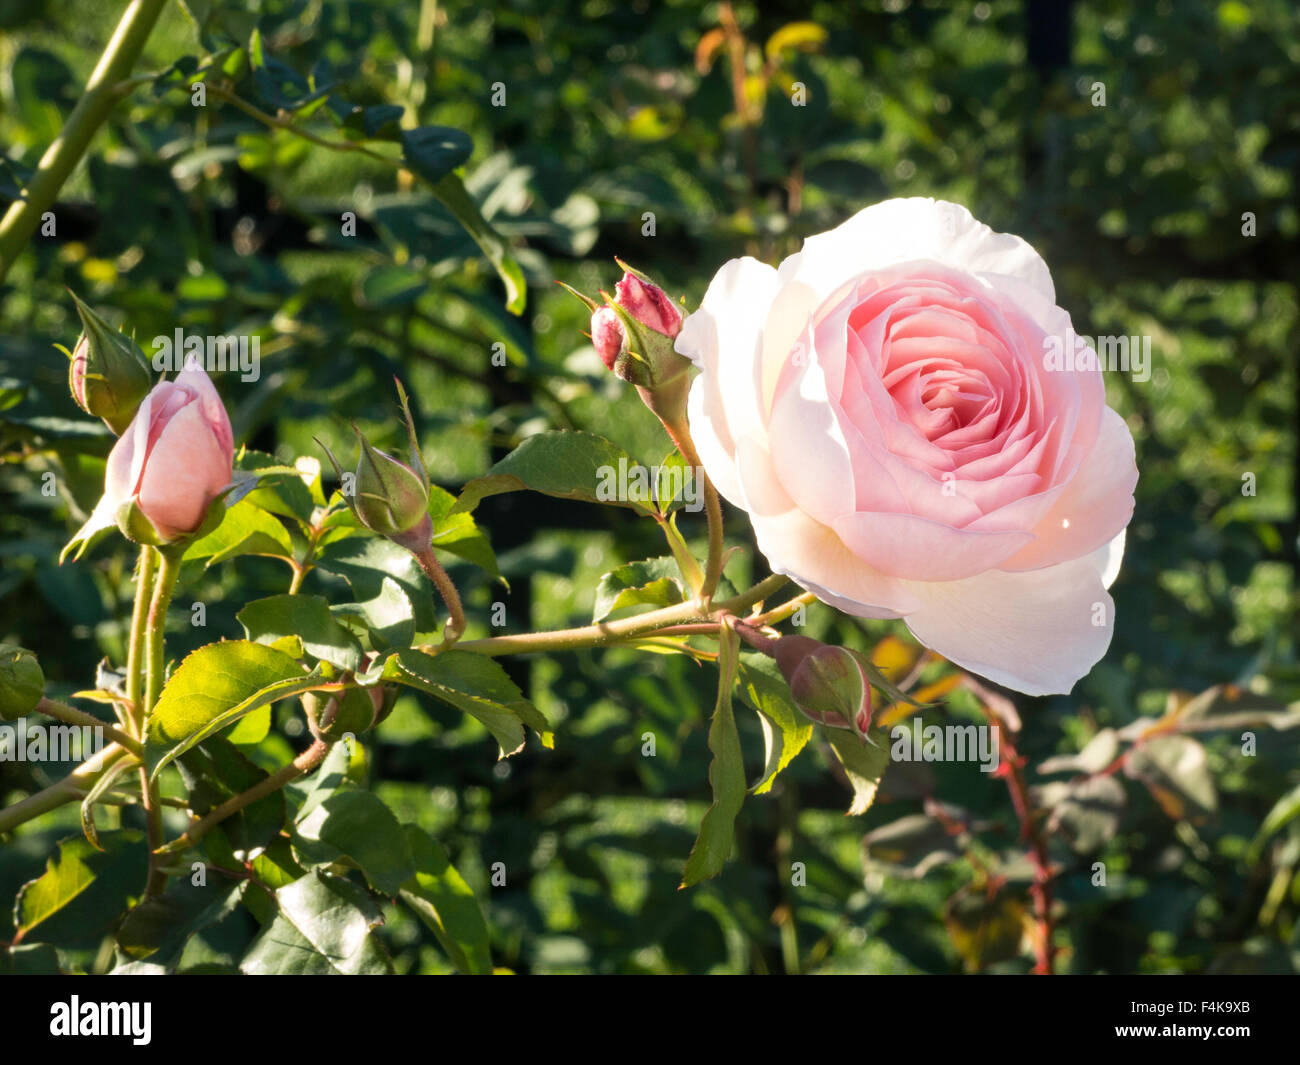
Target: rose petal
1032, 631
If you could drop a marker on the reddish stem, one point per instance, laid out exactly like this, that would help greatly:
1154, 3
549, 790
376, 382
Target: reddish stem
1012, 770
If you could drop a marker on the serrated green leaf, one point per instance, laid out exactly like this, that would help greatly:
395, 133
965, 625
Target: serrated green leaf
478, 686
306, 616
651, 582
246, 529
441, 898
864, 764
83, 891
566, 464
324, 926
457, 533
366, 562
356, 825
726, 775
785, 730
216, 686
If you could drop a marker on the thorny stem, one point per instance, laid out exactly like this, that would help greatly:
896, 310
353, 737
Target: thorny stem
276, 122
69, 789
455, 611
145, 572
72, 716
154, 645
102, 92
680, 434
612, 632
1012, 769
304, 763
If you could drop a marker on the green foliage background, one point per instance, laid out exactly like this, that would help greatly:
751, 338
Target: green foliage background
203, 219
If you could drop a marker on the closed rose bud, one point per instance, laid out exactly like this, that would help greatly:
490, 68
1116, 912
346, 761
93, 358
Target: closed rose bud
607, 335
22, 683
389, 496
108, 375
648, 304
829, 684
173, 461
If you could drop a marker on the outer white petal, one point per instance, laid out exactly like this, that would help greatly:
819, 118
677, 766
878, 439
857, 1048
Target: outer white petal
917, 228
719, 459
1108, 559
1034, 631
723, 338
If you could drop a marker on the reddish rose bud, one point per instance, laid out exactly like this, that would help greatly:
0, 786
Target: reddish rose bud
829, 684
648, 304
607, 335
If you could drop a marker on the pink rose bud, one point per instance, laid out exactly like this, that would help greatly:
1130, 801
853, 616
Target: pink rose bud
648, 304
829, 684
173, 460
607, 335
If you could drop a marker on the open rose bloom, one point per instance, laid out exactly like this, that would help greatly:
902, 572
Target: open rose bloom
881, 407
175, 457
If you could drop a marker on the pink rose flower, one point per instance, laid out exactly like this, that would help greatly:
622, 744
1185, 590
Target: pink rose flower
883, 408
175, 457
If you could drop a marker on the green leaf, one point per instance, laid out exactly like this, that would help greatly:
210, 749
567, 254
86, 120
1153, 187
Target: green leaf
443, 900
101, 520
726, 775
1177, 773
1085, 812
1096, 755
912, 845
451, 193
675, 477
83, 891
307, 617
475, 684
158, 927
216, 686
785, 730
433, 152
289, 495
365, 563
246, 529
794, 36
863, 763
356, 825
1284, 811
652, 582
570, 465
216, 771
388, 617
324, 927
457, 533
389, 286
102, 786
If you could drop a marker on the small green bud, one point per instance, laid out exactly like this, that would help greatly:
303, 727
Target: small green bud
22, 684
389, 496
109, 375
829, 684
